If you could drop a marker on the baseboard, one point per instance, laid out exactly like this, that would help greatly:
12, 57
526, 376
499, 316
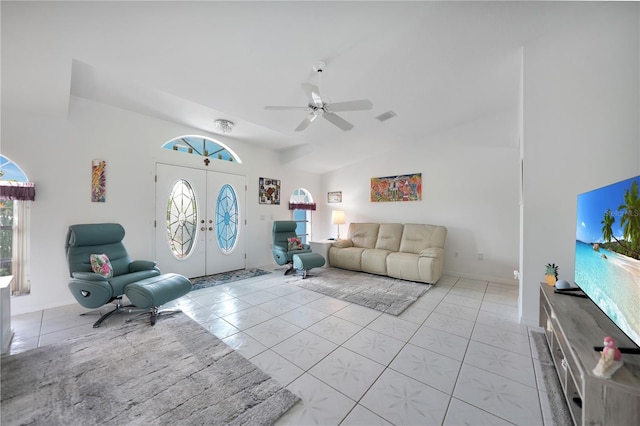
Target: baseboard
499, 280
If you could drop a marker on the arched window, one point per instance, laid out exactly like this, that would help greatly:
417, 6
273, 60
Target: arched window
301, 204
14, 229
202, 146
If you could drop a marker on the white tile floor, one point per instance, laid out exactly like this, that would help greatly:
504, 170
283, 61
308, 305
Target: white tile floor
457, 356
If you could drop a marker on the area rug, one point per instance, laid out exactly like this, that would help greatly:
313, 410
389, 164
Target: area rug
175, 373
384, 294
557, 402
225, 278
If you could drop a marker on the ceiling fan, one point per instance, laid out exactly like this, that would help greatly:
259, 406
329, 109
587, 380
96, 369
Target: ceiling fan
317, 107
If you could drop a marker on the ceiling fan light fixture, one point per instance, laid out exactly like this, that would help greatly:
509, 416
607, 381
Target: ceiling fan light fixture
225, 126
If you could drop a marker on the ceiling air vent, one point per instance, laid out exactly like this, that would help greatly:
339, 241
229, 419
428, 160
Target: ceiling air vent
386, 115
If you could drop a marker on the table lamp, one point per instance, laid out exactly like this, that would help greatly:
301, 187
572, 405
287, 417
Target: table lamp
337, 218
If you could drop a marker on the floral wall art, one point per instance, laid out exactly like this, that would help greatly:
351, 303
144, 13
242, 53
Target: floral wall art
98, 181
396, 188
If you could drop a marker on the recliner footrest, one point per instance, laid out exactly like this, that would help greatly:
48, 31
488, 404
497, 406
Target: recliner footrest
156, 291
306, 261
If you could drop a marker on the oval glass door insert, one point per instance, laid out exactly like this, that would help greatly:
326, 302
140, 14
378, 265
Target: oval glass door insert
182, 219
227, 218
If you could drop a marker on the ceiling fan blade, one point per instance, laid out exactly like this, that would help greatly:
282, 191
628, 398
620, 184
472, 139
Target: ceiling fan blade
282, 108
305, 123
338, 121
313, 94
359, 105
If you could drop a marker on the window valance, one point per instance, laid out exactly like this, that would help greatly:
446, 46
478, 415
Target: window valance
10, 190
302, 206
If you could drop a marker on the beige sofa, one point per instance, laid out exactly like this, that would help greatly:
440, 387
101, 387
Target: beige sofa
409, 251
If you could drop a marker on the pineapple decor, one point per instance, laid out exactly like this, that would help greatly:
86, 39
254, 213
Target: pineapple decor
551, 274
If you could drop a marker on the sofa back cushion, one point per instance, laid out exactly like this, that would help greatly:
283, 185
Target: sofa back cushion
417, 237
364, 234
389, 236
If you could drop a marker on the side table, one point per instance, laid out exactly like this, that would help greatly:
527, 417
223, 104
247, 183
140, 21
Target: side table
322, 247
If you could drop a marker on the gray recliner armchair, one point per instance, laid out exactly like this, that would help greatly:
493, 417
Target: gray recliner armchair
139, 280
283, 231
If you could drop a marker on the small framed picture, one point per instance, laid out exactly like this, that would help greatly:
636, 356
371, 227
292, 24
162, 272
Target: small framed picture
334, 197
268, 191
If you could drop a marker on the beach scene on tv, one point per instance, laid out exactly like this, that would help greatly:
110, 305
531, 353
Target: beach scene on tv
607, 263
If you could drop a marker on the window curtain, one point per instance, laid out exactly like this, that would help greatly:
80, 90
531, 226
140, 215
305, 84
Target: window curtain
302, 206
19, 254
23, 191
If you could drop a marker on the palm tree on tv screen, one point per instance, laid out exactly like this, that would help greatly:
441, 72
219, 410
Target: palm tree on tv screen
630, 222
607, 225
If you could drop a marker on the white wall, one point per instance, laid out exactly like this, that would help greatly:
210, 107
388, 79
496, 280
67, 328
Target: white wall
581, 110
57, 153
467, 187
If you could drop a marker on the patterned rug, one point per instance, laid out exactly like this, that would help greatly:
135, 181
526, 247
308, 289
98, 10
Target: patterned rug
377, 292
174, 373
557, 402
225, 278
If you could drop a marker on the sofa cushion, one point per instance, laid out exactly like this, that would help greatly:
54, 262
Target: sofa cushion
374, 261
403, 266
389, 236
346, 258
417, 237
364, 234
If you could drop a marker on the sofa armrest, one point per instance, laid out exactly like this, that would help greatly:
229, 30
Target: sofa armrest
434, 252
142, 265
88, 276
342, 244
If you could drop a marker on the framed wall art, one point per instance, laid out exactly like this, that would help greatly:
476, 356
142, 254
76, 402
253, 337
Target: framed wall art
397, 188
98, 181
334, 197
269, 191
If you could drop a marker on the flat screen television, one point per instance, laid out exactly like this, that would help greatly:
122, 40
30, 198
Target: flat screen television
607, 265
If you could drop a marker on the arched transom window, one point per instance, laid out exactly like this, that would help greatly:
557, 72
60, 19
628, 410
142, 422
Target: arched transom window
202, 146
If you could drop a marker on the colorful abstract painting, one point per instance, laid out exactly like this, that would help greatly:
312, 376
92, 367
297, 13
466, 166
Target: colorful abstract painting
98, 181
397, 188
269, 191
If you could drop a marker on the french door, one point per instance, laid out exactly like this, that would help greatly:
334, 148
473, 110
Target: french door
200, 221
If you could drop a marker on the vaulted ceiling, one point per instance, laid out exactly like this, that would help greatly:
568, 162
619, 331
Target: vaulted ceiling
437, 65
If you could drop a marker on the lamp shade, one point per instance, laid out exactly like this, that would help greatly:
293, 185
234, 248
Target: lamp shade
337, 217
